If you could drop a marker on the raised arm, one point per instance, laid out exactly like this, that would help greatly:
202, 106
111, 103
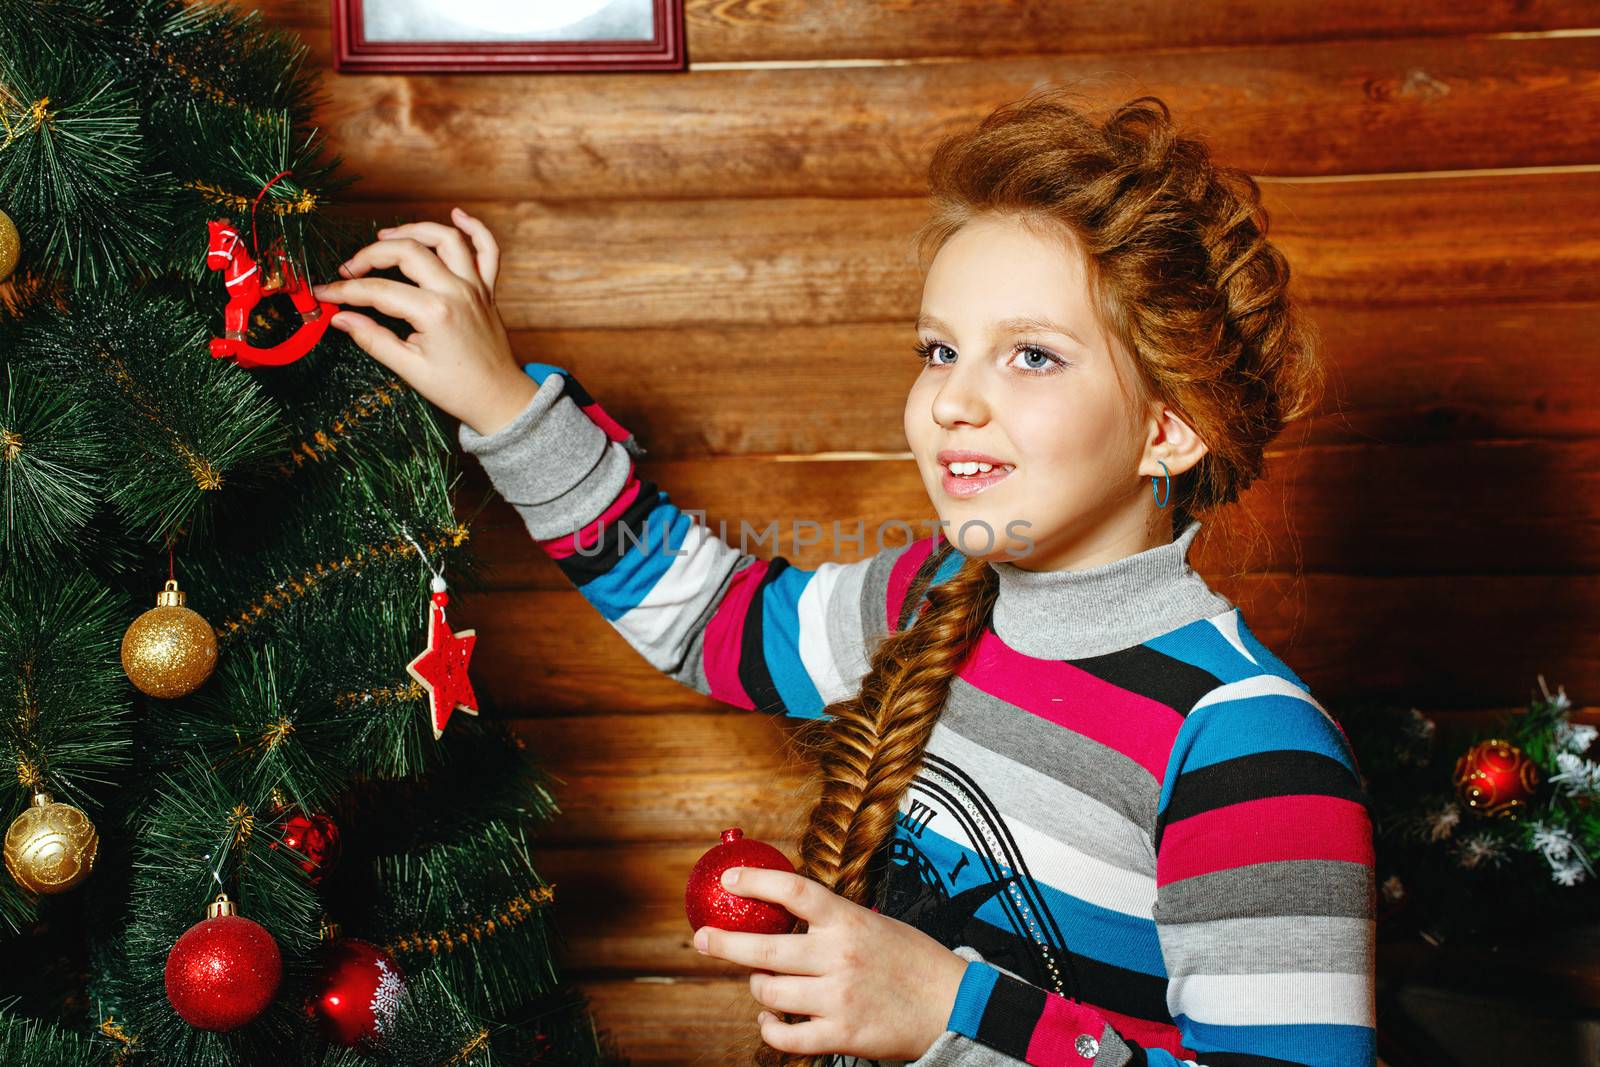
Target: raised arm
754, 632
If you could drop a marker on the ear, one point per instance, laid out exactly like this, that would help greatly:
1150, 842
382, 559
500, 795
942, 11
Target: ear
1171, 440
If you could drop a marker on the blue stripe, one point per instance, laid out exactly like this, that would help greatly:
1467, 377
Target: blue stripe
1201, 645
1126, 941
629, 580
540, 371
780, 642
1245, 726
1313, 1044
1269, 662
977, 982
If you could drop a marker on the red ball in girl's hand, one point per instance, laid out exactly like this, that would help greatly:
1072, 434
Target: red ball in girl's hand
708, 904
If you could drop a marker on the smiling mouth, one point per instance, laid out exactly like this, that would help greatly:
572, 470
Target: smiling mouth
969, 479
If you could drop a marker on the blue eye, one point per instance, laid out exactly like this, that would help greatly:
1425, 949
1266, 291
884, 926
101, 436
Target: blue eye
925, 350
1051, 362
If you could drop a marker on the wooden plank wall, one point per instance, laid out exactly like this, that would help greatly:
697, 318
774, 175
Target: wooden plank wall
722, 256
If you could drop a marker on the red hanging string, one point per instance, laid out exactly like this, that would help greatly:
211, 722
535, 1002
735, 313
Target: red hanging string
255, 248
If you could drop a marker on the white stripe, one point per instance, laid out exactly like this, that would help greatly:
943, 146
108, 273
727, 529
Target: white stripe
1082, 874
1259, 685
1268, 999
660, 625
1227, 624
241, 277
816, 654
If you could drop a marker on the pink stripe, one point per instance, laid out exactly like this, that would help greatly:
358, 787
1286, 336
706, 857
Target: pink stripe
1140, 728
1149, 1033
1059, 1025
614, 429
589, 536
725, 636
1306, 826
905, 569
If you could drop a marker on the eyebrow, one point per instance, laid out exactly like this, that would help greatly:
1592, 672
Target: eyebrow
1018, 324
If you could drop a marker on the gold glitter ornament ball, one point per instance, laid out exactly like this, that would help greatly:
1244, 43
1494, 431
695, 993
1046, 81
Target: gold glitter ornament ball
170, 650
50, 847
10, 246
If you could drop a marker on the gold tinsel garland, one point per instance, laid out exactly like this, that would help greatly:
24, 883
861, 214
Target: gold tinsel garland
514, 912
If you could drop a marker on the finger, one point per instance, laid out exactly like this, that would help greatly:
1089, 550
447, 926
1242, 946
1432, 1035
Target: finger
395, 299
483, 241
788, 953
807, 1036
448, 242
380, 343
795, 994
802, 897
415, 260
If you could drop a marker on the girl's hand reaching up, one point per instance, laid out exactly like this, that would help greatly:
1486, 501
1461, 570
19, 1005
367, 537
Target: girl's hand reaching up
872, 986
459, 356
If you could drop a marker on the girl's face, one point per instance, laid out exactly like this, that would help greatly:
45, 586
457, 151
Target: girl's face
1017, 369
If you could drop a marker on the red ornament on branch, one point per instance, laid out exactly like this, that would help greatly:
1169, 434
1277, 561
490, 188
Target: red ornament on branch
1495, 777
224, 971
709, 904
316, 838
358, 993
442, 666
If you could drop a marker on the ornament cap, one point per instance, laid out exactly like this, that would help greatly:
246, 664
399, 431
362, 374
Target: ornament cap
170, 596
329, 930
730, 835
220, 907
41, 799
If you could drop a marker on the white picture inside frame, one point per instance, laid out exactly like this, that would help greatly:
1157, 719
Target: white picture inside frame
508, 20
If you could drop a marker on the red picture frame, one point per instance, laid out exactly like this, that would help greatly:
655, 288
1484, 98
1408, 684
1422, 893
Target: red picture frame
355, 53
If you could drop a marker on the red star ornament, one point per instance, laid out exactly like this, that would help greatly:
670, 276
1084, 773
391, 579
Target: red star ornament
442, 666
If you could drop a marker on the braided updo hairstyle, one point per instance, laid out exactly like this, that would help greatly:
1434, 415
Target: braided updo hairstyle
1185, 282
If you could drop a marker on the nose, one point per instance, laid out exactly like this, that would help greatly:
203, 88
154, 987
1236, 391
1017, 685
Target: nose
960, 398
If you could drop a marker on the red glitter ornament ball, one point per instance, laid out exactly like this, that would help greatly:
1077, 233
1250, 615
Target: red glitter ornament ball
316, 837
358, 993
223, 971
708, 904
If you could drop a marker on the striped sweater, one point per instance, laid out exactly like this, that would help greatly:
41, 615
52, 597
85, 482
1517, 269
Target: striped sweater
1148, 840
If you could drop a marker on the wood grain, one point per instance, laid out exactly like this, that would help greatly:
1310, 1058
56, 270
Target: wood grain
1418, 243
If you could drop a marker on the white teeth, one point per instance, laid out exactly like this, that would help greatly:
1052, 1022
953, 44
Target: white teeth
971, 467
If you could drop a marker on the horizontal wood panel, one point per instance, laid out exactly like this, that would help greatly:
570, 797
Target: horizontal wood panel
1398, 375
654, 1020
1354, 107
731, 30
1371, 509
1500, 239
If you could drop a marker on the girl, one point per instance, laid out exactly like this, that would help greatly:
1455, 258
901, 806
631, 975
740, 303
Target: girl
1071, 810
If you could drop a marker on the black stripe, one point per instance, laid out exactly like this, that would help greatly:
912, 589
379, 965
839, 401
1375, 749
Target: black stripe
753, 672
1153, 675
573, 388
581, 568
1281, 772
1009, 1018
1105, 985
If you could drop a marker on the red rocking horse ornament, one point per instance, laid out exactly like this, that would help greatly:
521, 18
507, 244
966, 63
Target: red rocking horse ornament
226, 252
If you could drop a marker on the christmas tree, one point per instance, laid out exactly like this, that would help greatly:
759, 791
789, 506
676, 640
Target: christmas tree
243, 824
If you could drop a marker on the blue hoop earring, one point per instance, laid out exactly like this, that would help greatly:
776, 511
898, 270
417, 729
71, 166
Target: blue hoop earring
1161, 499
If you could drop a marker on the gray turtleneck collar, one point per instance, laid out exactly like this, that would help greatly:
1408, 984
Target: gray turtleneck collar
1076, 614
